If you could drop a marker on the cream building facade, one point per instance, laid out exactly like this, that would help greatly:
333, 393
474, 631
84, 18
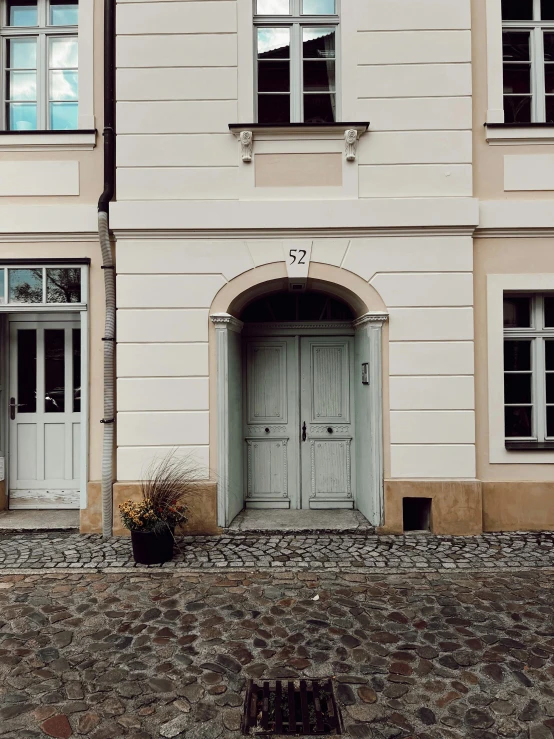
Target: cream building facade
316, 240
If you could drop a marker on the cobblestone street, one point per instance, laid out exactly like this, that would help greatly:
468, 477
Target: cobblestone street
167, 654
309, 552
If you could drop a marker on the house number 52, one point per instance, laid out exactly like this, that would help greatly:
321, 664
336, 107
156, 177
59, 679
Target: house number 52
294, 259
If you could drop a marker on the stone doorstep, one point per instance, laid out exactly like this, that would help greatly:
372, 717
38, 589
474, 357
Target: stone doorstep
36, 521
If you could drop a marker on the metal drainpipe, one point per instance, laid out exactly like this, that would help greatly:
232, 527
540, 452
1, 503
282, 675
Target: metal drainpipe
108, 267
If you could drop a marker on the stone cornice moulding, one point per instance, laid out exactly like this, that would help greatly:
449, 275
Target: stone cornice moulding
514, 233
370, 318
226, 322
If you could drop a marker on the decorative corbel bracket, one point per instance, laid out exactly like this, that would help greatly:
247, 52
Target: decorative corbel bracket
351, 144
246, 139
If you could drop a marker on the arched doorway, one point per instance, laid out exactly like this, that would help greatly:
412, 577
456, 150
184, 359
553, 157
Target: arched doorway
299, 402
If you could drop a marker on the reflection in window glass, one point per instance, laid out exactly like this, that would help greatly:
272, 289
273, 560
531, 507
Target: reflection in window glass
550, 421
64, 13
273, 7
63, 285
273, 75
519, 422
22, 13
54, 370
25, 285
76, 338
517, 355
549, 354
21, 87
547, 10
2, 294
26, 371
318, 51
517, 312
318, 7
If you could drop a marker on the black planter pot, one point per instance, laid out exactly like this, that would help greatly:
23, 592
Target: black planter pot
151, 547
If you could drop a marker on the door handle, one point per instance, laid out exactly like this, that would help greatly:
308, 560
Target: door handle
304, 431
13, 406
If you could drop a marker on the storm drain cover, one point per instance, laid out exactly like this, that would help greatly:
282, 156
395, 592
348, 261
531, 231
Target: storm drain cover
291, 708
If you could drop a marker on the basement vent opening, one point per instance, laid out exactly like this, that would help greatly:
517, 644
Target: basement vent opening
416, 514
291, 708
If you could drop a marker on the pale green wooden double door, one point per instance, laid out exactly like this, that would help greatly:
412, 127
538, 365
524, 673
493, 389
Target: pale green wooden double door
299, 422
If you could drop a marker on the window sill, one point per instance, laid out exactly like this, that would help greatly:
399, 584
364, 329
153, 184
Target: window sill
519, 134
47, 140
530, 446
295, 129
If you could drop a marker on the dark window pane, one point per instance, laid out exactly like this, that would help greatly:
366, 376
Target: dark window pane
273, 109
517, 312
309, 306
517, 10
22, 13
25, 285
63, 285
549, 78
517, 79
2, 296
517, 388
319, 76
517, 356
550, 109
273, 76
549, 387
550, 421
515, 46
549, 47
54, 370
518, 422
549, 312
26, 371
319, 108
549, 354
76, 370
318, 43
547, 10
273, 43
517, 109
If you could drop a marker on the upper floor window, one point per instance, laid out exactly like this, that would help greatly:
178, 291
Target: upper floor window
529, 367
39, 64
528, 51
296, 60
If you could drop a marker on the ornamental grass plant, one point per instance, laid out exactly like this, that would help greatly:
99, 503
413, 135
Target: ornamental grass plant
166, 486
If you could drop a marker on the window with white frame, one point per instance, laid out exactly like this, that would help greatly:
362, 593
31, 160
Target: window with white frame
39, 64
529, 367
296, 60
47, 285
528, 53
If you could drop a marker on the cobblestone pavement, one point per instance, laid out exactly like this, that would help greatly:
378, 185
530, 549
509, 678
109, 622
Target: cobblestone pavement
310, 552
151, 654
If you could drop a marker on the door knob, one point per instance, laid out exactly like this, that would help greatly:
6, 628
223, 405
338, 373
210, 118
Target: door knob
13, 406
304, 431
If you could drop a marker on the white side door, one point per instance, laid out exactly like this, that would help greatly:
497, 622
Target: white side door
44, 414
327, 417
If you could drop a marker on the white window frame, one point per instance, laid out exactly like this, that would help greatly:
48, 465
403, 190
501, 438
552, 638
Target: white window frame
495, 79
6, 306
536, 335
296, 21
86, 120
497, 286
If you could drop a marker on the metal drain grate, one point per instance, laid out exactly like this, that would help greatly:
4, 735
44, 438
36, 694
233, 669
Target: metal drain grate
291, 708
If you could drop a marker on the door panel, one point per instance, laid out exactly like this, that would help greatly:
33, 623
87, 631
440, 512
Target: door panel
271, 422
326, 371
44, 414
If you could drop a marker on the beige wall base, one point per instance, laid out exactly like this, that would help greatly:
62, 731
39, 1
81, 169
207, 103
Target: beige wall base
91, 516
518, 506
456, 507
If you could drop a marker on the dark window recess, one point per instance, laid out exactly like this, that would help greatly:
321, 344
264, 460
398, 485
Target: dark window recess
308, 306
416, 514
291, 708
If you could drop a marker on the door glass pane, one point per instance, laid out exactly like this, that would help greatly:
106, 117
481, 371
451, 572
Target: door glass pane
518, 10
517, 388
547, 10
22, 13
25, 285
76, 370
549, 78
319, 108
517, 312
54, 370
273, 7
63, 285
549, 46
549, 312
549, 109
64, 13
549, 387
549, 354
2, 294
318, 7
26, 371
517, 356
550, 421
519, 421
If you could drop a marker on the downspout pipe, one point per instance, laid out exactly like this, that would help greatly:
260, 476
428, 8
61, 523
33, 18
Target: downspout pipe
109, 268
